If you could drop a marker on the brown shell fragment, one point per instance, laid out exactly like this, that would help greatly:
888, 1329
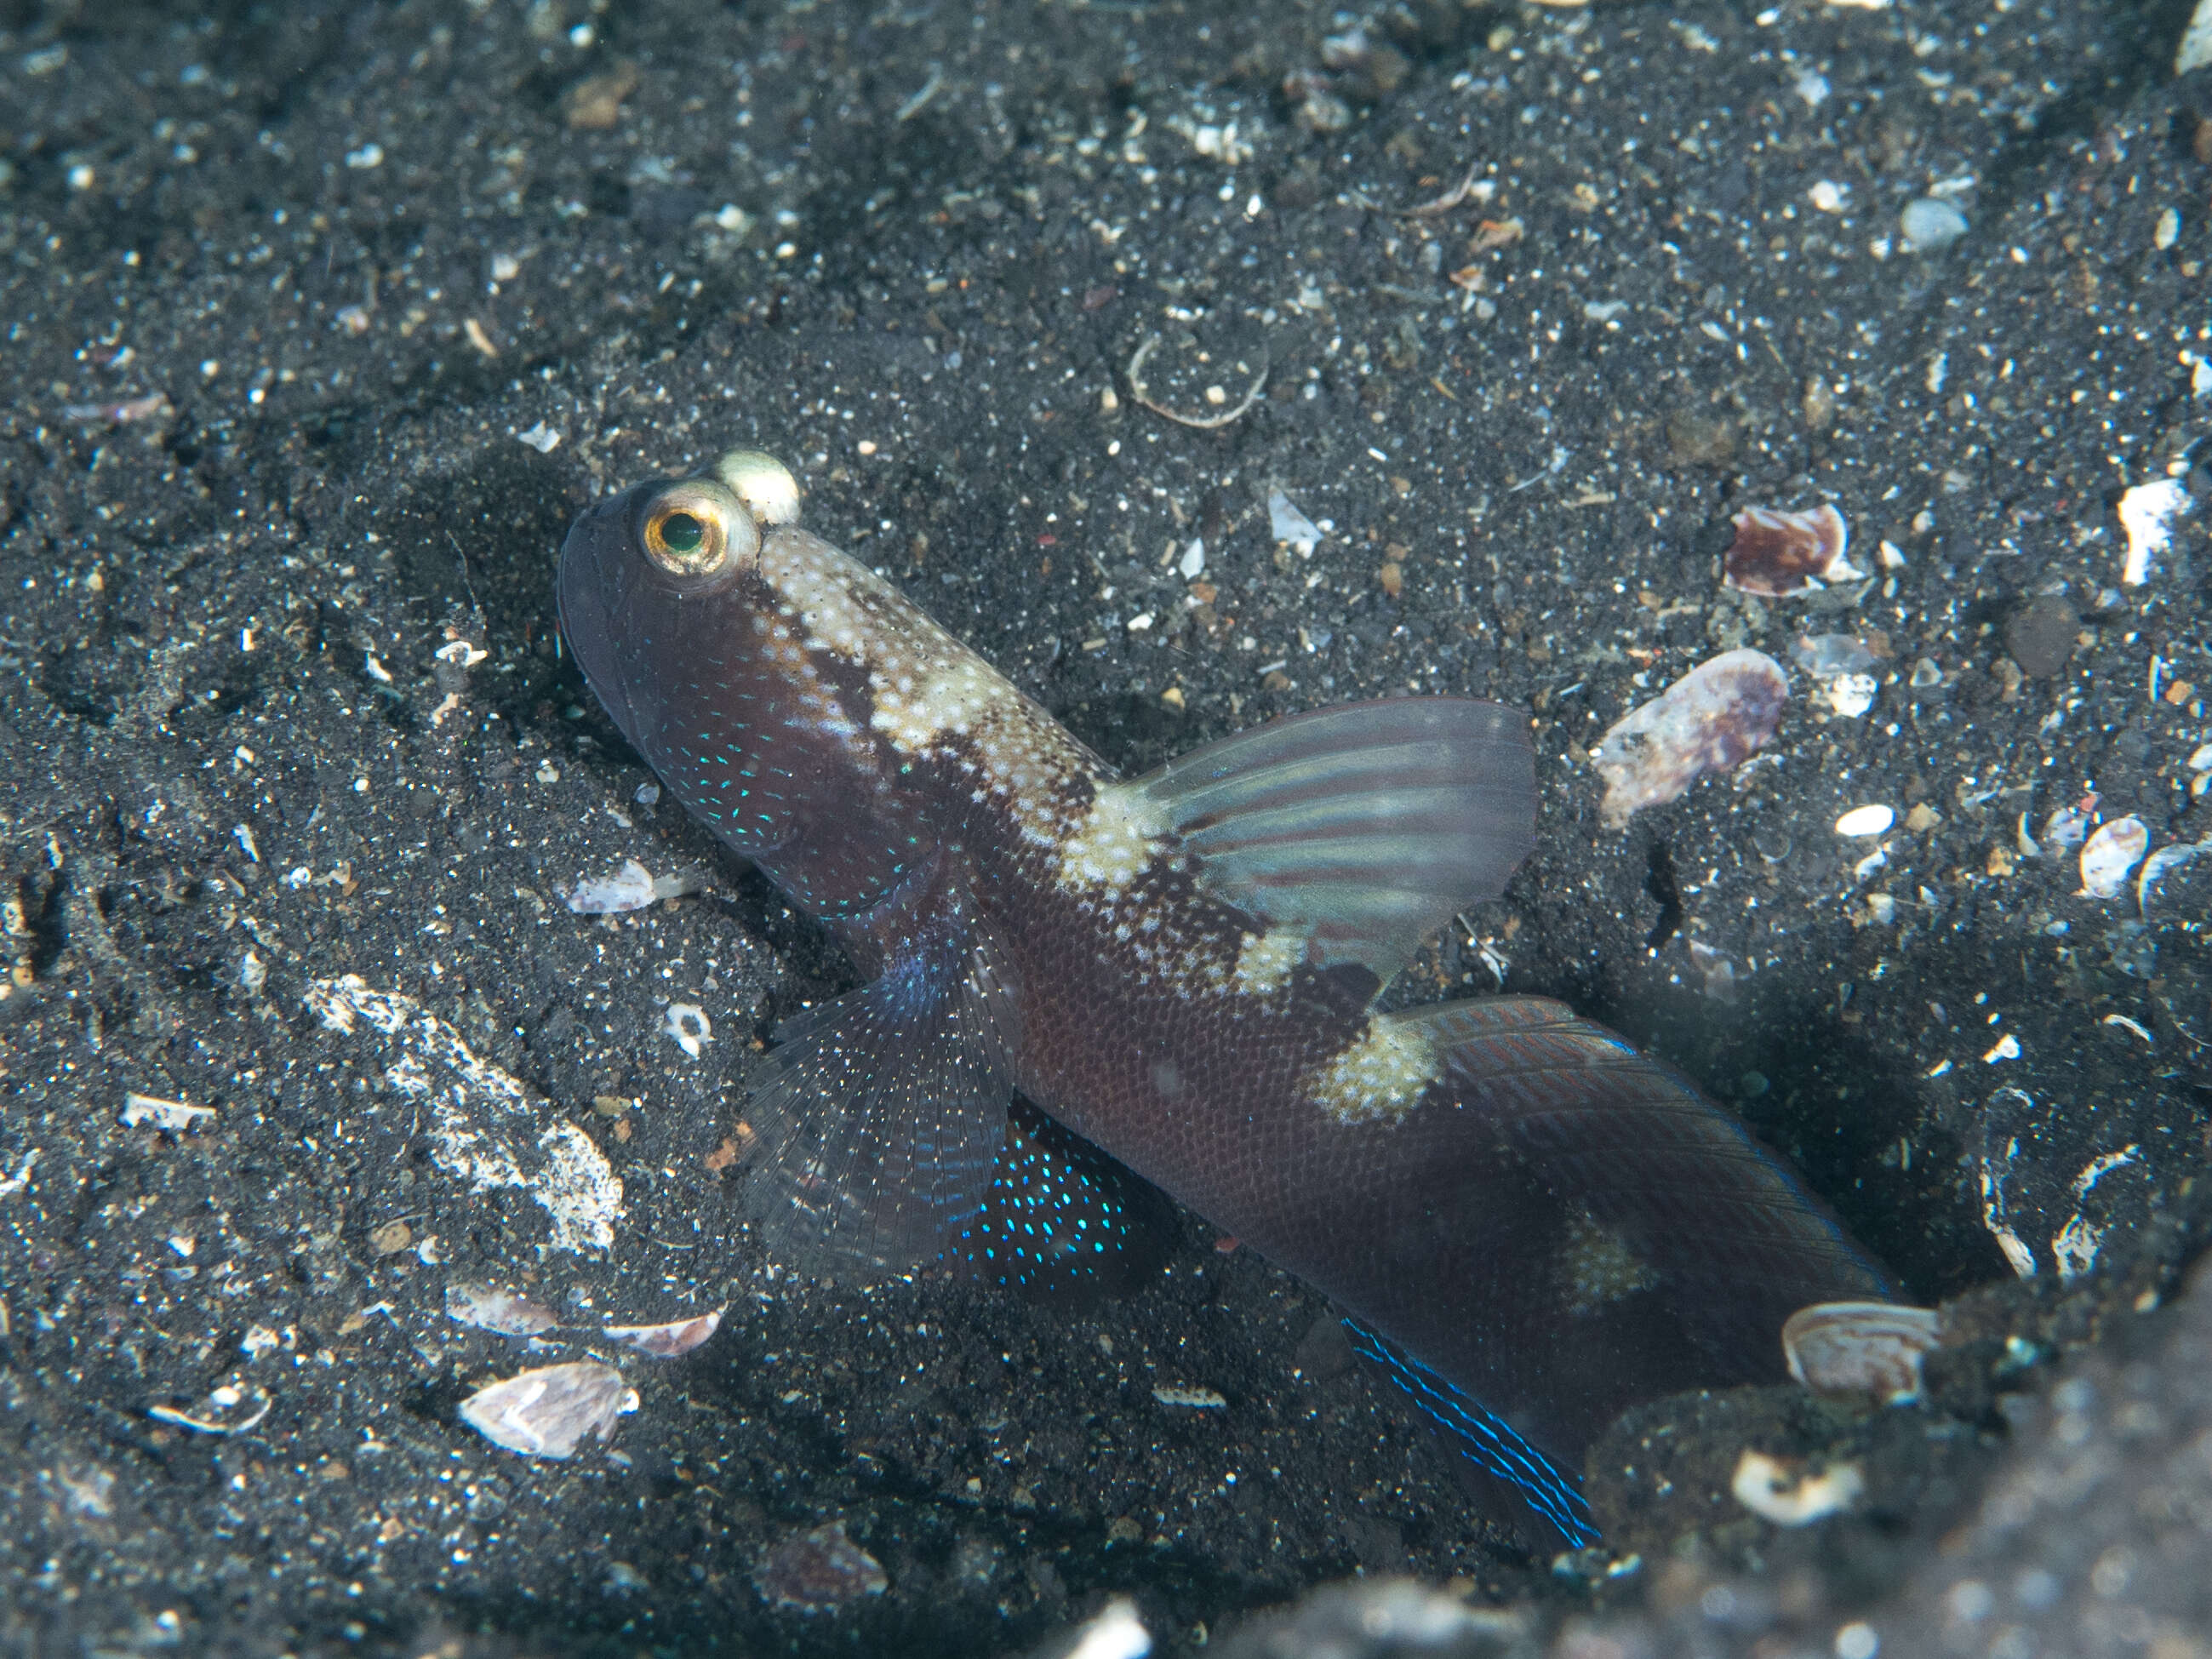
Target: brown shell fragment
819, 1571
678, 1336
1775, 554
1715, 717
546, 1412
1861, 1347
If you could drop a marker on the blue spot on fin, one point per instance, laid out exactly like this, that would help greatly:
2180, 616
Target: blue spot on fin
1062, 1224
1485, 1440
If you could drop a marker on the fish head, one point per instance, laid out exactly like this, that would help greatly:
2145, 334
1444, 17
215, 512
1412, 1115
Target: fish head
665, 567
682, 636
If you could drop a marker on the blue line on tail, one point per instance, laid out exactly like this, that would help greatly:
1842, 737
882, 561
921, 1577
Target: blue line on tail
1483, 1438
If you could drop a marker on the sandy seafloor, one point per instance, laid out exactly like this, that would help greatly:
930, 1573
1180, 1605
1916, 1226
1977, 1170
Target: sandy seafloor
297, 298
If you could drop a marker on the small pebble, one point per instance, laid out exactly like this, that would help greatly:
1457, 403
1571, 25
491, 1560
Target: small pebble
1866, 821
1785, 1493
1930, 225
819, 1571
2040, 635
1852, 695
1824, 656
488, 1308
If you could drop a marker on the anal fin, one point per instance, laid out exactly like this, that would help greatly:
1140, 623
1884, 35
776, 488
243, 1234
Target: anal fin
1490, 1447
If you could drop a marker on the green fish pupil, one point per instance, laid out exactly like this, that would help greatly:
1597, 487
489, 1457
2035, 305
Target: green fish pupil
681, 533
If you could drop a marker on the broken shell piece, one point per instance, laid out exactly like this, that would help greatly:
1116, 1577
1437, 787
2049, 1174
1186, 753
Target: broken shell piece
1779, 1490
1824, 656
2067, 826
1852, 695
228, 1409
175, 1115
547, 1413
666, 1341
1716, 716
2156, 865
819, 1571
2147, 514
503, 1313
1775, 554
2108, 855
633, 887
1866, 821
1861, 1347
1286, 524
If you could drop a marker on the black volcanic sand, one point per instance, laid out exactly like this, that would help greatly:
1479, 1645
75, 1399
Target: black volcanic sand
322, 322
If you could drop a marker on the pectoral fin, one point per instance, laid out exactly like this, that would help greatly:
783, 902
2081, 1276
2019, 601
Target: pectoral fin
1362, 827
884, 1112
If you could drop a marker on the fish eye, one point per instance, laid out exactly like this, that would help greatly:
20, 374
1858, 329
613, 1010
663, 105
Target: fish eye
697, 529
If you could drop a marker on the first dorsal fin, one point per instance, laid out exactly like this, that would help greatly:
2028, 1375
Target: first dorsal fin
1362, 827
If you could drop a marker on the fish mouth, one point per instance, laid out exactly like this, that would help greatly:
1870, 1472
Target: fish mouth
595, 593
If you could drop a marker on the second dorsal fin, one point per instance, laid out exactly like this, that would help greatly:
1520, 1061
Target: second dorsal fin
1362, 827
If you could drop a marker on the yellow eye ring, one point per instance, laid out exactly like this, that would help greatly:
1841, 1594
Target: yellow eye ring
696, 529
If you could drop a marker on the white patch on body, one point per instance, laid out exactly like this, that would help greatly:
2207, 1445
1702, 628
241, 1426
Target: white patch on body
1602, 1266
1265, 963
1113, 843
1381, 1076
933, 696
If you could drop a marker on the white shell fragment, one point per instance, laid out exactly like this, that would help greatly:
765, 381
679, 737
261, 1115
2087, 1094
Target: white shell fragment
2147, 514
1861, 1347
172, 1115
1718, 715
1203, 1400
763, 483
1852, 695
1114, 1632
633, 887
678, 1336
1286, 524
482, 1125
686, 1024
2108, 856
502, 1312
2196, 48
228, 1409
547, 1413
1866, 821
1780, 1491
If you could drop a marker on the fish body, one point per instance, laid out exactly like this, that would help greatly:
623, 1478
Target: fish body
1530, 1225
